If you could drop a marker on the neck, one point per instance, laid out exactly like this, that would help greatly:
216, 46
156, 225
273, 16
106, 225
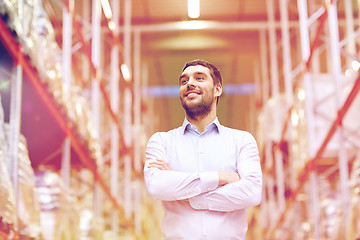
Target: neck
201, 122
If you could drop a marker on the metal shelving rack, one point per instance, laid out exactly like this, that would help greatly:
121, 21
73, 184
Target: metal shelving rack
120, 146
304, 43
311, 152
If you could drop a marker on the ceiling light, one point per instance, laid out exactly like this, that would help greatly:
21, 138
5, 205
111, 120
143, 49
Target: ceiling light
106, 8
355, 65
125, 72
301, 94
111, 25
193, 8
294, 119
348, 72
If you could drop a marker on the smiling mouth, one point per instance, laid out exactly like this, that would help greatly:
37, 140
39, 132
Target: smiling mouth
191, 93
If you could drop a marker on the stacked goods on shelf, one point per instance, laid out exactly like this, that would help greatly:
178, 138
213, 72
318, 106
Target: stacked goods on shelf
28, 219
59, 214
37, 36
299, 220
7, 198
82, 183
330, 208
354, 215
60, 210
325, 101
28, 205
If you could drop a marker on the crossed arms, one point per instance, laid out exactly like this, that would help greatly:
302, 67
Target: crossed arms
224, 176
213, 190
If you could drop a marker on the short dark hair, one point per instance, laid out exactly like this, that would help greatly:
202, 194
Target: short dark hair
214, 72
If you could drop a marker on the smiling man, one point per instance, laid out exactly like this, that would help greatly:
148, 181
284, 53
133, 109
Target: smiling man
205, 174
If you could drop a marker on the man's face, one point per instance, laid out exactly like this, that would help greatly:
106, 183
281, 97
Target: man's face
197, 91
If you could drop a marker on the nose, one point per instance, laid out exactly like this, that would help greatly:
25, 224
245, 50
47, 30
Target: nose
191, 82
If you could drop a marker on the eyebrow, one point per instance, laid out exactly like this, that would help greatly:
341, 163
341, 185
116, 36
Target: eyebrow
195, 73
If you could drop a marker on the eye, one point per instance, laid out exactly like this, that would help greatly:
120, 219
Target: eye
183, 81
199, 78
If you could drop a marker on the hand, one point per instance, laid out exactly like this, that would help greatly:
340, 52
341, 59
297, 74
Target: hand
160, 164
228, 177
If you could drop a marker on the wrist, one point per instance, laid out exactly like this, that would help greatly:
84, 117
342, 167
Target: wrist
222, 178
227, 177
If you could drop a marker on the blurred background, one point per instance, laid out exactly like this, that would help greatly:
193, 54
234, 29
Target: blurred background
84, 84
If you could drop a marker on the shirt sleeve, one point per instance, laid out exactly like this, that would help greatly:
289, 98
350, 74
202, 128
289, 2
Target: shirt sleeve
241, 194
169, 185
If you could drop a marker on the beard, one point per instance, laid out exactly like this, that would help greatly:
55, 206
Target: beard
198, 109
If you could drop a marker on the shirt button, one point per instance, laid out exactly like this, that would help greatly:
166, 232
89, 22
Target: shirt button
199, 206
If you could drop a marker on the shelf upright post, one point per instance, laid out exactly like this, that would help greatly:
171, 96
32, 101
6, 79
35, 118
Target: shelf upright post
257, 81
114, 100
66, 73
337, 79
85, 63
288, 81
264, 65
275, 95
15, 123
315, 59
273, 50
95, 93
268, 187
286, 52
147, 119
268, 163
137, 100
305, 54
127, 109
15, 116
137, 129
349, 26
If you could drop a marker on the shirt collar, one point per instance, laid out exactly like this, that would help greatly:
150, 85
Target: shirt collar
187, 125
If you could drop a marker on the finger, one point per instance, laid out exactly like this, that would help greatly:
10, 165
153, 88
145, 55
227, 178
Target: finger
166, 164
155, 164
160, 166
160, 160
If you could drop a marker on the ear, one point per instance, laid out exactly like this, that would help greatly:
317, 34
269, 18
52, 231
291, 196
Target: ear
218, 90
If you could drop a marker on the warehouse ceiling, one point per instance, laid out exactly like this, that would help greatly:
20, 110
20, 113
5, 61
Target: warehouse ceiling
235, 50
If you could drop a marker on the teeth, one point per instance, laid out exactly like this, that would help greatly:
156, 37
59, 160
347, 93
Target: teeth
191, 94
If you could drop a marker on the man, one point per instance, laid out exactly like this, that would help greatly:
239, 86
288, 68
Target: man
205, 174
